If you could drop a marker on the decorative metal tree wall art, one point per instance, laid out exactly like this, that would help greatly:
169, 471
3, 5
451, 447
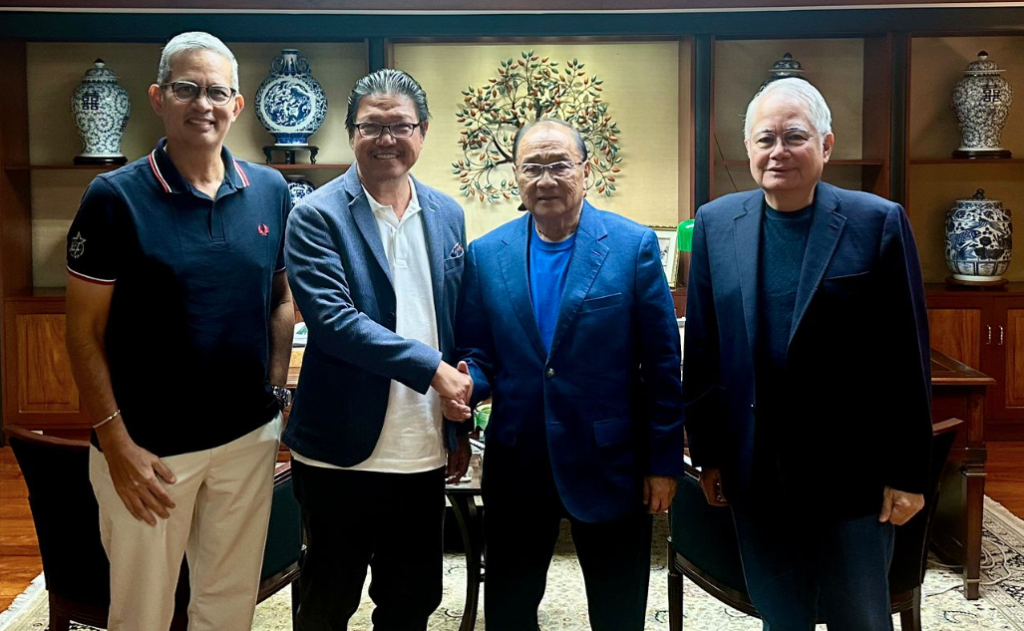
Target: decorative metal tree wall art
524, 90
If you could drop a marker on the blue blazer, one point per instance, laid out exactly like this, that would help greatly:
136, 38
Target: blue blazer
605, 403
342, 283
858, 355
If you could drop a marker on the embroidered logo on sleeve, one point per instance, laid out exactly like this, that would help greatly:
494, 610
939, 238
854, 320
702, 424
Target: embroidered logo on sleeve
263, 229
77, 247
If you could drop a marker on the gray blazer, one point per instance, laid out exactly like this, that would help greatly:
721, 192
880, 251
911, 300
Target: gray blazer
342, 284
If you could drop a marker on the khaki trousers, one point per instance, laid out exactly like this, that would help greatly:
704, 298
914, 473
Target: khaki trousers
222, 502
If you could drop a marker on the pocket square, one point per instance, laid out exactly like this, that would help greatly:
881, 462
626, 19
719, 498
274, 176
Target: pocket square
456, 252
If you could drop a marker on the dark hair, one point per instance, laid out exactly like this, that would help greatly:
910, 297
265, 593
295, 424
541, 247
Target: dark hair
577, 136
386, 81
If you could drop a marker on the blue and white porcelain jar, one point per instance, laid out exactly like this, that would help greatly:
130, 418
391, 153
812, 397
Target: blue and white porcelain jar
982, 102
299, 187
100, 107
290, 103
979, 239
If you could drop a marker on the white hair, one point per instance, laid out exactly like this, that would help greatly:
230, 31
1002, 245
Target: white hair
194, 41
817, 109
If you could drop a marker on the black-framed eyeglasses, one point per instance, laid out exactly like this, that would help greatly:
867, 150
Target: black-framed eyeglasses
558, 170
186, 92
397, 130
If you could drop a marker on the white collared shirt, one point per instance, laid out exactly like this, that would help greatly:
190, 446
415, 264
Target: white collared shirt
411, 440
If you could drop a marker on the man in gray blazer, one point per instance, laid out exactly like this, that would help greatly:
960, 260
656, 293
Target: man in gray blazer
375, 259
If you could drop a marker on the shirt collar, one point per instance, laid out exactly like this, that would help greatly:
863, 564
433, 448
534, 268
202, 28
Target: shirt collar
377, 207
169, 179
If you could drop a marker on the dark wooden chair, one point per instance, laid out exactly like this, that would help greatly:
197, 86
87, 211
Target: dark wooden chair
66, 517
703, 547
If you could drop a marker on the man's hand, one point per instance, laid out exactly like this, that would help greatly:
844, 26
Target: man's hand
458, 460
136, 474
711, 484
658, 493
898, 507
456, 388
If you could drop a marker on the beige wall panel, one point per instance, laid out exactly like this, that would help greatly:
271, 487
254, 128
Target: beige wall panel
55, 70
641, 89
834, 66
937, 64
934, 189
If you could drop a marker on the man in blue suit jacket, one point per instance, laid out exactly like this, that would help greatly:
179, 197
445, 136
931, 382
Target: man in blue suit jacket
376, 260
567, 324
806, 377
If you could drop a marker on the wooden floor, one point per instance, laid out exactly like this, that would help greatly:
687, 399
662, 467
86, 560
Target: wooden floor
19, 554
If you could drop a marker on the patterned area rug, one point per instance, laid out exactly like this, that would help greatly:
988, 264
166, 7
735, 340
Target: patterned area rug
564, 608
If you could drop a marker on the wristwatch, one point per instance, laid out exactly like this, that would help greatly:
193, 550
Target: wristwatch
283, 396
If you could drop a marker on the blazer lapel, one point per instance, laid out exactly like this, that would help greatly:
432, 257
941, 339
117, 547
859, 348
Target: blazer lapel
359, 206
747, 237
588, 255
512, 259
822, 240
434, 231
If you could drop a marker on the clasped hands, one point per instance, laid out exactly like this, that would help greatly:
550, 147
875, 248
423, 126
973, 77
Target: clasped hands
456, 388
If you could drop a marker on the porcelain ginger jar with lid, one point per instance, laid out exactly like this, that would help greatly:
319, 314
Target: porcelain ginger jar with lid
982, 102
100, 107
979, 239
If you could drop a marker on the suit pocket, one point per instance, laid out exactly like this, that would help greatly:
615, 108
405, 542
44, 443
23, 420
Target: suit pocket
601, 302
614, 431
453, 264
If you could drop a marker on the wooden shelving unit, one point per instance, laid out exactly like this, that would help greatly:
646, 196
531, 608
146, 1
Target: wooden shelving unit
887, 74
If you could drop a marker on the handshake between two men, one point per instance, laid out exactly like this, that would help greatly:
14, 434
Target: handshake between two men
456, 389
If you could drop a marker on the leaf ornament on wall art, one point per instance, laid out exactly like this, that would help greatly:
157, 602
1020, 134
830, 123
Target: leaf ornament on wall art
524, 90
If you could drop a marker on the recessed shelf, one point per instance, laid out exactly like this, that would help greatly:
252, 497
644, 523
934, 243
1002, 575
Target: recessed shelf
831, 163
99, 167
961, 162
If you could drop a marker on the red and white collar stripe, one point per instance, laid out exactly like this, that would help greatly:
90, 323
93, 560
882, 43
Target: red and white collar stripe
156, 172
241, 173
167, 187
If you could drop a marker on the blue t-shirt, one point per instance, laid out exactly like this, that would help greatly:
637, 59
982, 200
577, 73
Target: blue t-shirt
549, 265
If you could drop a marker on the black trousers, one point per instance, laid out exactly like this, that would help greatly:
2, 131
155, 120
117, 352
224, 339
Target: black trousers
797, 569
390, 522
521, 528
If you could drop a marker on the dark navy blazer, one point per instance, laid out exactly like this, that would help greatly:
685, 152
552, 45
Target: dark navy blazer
608, 394
341, 281
858, 353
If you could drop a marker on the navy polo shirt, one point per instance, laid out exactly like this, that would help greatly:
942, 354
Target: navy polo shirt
187, 338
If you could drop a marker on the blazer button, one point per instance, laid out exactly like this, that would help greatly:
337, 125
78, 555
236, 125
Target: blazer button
550, 374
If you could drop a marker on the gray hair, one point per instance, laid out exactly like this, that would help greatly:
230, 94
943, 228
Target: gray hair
386, 81
817, 110
194, 41
576, 135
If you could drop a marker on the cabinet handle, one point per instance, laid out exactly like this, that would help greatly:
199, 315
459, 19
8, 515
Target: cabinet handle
989, 327
1001, 336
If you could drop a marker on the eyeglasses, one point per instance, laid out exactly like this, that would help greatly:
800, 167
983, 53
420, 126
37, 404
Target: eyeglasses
186, 92
397, 130
558, 170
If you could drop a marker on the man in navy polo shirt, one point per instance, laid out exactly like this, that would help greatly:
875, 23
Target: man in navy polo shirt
179, 323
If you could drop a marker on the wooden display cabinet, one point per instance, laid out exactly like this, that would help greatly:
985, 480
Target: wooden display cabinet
40, 190
985, 330
853, 74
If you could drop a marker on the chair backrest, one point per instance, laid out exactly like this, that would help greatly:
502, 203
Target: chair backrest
910, 552
65, 514
284, 534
